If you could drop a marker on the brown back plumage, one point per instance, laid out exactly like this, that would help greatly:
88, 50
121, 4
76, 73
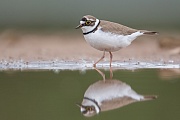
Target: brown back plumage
116, 28
122, 101
116, 103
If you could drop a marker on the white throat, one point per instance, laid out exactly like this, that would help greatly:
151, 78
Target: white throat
86, 29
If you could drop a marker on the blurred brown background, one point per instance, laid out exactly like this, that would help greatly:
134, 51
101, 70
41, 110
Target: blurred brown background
44, 29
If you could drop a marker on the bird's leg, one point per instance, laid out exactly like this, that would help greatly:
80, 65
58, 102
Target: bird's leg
101, 73
111, 72
94, 65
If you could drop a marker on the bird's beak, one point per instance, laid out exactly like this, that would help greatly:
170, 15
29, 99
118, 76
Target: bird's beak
79, 26
79, 105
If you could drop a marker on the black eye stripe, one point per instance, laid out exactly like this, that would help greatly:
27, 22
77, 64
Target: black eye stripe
83, 19
84, 112
84, 24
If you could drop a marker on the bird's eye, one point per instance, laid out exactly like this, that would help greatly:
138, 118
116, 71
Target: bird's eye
88, 22
88, 109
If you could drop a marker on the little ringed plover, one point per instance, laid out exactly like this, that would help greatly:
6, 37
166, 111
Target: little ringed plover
108, 36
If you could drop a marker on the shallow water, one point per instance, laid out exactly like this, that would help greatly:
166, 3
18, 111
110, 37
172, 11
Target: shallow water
83, 65
52, 95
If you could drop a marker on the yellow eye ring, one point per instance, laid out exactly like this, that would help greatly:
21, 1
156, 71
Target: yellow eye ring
88, 108
88, 22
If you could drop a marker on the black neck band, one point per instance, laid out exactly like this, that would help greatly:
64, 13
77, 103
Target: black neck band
94, 101
92, 30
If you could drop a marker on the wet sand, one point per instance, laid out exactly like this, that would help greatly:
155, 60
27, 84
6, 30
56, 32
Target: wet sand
36, 46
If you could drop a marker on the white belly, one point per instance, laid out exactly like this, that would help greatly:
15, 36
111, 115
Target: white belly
108, 41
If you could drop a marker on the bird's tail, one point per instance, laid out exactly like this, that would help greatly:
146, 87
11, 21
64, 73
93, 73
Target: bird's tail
149, 32
150, 97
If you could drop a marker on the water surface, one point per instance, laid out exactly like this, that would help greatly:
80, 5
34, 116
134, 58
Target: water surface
49, 95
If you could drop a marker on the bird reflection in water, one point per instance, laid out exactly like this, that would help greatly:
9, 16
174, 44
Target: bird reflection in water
109, 94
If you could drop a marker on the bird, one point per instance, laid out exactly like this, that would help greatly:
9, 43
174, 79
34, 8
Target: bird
108, 95
108, 36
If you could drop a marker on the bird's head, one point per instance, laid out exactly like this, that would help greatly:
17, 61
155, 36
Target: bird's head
87, 111
88, 23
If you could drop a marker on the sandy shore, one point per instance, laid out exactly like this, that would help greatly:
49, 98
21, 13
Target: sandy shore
67, 46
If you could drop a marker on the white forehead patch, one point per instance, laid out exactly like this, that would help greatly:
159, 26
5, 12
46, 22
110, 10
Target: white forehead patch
82, 109
82, 22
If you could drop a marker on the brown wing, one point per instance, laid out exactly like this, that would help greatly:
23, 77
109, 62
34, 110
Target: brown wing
116, 28
116, 103
120, 102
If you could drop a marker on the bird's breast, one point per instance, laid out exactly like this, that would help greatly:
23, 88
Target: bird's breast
107, 41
